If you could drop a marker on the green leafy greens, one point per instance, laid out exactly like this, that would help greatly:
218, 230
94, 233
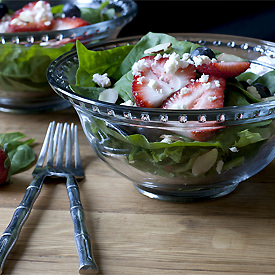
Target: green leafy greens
19, 152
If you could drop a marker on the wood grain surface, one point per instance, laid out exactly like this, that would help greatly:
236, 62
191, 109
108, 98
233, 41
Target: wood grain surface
131, 233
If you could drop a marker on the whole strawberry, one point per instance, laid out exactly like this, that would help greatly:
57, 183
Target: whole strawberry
4, 166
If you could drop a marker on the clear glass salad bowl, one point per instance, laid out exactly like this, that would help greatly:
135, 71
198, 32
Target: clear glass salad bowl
130, 139
25, 56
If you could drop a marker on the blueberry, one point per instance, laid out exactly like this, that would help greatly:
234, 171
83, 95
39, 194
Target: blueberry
262, 90
202, 51
71, 10
3, 10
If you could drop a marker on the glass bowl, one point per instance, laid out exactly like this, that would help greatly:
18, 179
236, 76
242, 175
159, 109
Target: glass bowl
25, 56
128, 138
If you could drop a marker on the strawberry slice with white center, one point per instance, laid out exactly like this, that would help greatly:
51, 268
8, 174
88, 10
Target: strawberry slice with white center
35, 16
224, 69
198, 95
156, 78
207, 94
68, 23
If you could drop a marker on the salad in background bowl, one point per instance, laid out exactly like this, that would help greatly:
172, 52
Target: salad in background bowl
183, 116
34, 33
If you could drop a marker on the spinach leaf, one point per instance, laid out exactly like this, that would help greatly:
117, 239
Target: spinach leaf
19, 152
24, 68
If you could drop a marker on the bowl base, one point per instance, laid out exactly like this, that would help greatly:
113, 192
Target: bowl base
36, 106
191, 195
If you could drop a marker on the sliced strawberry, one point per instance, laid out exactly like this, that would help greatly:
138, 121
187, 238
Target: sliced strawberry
35, 16
199, 95
68, 23
4, 166
152, 84
224, 69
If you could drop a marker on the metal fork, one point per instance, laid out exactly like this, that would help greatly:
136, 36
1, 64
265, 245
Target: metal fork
54, 144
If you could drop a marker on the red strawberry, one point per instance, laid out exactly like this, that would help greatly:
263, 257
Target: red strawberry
152, 84
68, 23
4, 166
198, 95
202, 94
35, 16
224, 69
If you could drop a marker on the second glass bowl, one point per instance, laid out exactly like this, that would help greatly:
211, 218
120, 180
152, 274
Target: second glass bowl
25, 56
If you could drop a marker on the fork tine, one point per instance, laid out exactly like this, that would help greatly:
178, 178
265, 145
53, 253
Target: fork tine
43, 151
56, 136
68, 161
50, 153
77, 158
60, 147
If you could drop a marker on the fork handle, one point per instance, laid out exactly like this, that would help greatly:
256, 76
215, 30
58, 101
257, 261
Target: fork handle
87, 263
20, 215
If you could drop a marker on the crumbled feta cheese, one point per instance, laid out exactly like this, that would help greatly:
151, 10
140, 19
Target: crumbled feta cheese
204, 78
207, 85
217, 83
185, 56
139, 66
140, 80
128, 103
201, 59
102, 80
153, 84
234, 149
184, 90
158, 56
174, 63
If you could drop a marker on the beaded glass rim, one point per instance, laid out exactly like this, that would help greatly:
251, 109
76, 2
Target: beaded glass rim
96, 31
227, 115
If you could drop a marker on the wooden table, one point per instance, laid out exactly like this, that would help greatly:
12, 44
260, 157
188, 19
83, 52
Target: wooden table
131, 233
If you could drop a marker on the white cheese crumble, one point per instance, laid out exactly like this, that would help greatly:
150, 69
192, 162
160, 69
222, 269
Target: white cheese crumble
206, 85
102, 80
185, 56
217, 83
184, 90
128, 103
139, 66
41, 12
201, 59
174, 63
204, 78
140, 80
157, 57
234, 149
